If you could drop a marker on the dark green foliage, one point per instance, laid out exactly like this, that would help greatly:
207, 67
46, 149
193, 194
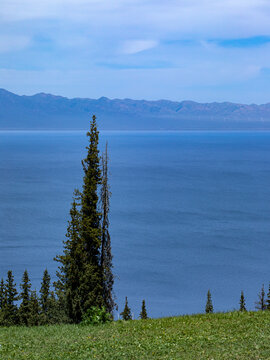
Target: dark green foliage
91, 279
126, 313
209, 305
2, 294
268, 299
85, 278
24, 310
96, 316
242, 302
143, 313
34, 309
10, 310
71, 269
106, 254
48, 303
45, 292
261, 303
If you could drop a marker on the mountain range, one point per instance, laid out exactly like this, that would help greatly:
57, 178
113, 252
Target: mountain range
46, 111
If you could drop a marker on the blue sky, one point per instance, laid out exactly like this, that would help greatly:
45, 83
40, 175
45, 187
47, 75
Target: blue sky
207, 50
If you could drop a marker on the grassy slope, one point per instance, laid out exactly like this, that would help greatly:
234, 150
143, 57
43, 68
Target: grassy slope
218, 336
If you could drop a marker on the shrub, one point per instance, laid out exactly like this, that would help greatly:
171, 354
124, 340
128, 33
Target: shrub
96, 316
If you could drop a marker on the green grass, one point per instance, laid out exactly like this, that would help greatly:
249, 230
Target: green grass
218, 336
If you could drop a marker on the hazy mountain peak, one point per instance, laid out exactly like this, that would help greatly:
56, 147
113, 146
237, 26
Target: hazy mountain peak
47, 111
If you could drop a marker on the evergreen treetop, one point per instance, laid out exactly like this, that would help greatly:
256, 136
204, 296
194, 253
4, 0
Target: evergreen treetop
25, 297
143, 313
2, 294
45, 291
209, 305
261, 303
268, 299
10, 310
126, 313
242, 302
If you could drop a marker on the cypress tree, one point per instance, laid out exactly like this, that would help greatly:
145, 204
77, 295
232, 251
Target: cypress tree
143, 313
242, 302
91, 289
85, 273
261, 304
24, 309
11, 310
209, 305
126, 313
106, 254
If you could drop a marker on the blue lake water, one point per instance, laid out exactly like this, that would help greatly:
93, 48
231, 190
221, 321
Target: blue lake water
189, 211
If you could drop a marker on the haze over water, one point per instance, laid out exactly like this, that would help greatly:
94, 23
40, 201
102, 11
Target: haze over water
189, 211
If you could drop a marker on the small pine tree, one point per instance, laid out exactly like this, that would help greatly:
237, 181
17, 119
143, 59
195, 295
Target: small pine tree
143, 313
24, 309
209, 305
268, 299
2, 294
242, 302
34, 309
3, 302
261, 304
11, 310
71, 270
44, 296
126, 313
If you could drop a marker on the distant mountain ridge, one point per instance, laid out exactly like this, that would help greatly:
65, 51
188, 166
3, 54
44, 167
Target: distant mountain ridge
46, 111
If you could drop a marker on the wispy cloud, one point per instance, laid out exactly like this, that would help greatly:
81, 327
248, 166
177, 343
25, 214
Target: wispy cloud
136, 46
181, 44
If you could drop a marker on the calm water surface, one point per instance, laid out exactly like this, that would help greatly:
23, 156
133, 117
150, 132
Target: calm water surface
189, 211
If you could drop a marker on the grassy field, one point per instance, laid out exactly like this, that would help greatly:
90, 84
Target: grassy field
218, 336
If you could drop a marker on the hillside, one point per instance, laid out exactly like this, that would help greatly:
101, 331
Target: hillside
45, 111
235, 335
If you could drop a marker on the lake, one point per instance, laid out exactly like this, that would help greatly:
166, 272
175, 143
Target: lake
190, 211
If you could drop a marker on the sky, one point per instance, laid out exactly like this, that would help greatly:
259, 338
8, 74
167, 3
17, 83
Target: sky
201, 50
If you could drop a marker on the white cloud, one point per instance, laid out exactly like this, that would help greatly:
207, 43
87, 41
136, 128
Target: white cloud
136, 46
72, 37
199, 18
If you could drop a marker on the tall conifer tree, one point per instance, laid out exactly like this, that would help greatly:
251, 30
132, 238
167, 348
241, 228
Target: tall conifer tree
44, 296
11, 310
85, 272
91, 290
24, 310
106, 253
